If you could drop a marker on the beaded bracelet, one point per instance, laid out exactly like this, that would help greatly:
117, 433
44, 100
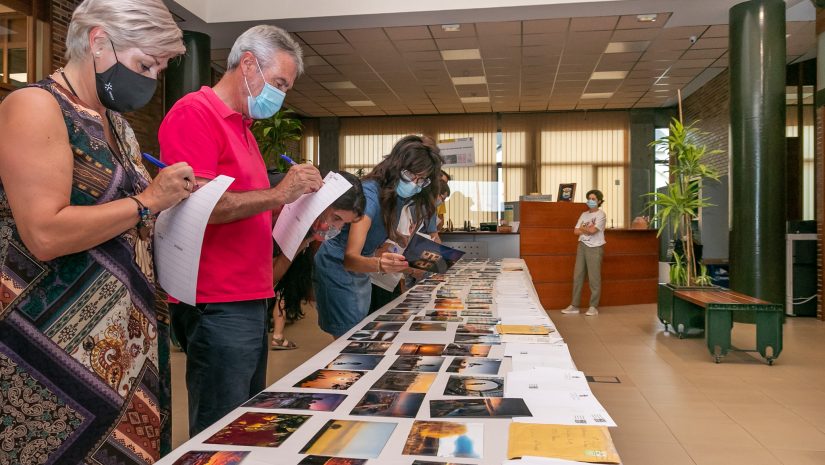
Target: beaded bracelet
146, 221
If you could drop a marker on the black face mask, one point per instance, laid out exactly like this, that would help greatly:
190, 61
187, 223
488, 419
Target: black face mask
122, 90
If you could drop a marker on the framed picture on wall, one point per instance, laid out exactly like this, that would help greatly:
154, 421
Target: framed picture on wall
566, 192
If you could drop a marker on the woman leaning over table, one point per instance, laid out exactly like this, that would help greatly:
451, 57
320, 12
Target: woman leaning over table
401, 192
84, 356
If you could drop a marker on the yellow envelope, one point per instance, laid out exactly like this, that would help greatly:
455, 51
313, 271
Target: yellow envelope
522, 329
580, 443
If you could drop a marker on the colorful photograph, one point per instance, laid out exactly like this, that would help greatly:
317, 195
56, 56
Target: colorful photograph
405, 381
378, 348
324, 460
211, 458
357, 439
417, 363
467, 350
483, 320
450, 313
476, 329
320, 402
389, 404
396, 318
354, 362
448, 301
474, 366
331, 379
445, 439
418, 326
382, 326
477, 339
258, 429
474, 386
410, 348
447, 319
464, 408
381, 336
449, 306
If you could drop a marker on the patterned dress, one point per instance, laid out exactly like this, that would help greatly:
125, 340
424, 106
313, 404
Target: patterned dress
84, 375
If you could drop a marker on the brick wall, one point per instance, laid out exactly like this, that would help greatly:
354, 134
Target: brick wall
710, 105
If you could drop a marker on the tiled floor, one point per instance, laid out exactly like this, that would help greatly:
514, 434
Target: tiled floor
674, 406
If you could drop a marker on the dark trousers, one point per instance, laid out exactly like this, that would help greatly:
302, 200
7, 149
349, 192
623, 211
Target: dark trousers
226, 350
381, 296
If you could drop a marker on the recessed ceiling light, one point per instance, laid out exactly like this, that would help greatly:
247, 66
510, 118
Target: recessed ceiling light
451, 27
609, 75
361, 103
464, 54
596, 95
623, 47
475, 99
469, 80
646, 18
339, 85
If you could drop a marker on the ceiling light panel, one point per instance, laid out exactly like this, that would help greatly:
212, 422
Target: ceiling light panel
469, 80
462, 54
625, 47
609, 75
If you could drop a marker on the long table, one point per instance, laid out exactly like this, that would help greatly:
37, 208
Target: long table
495, 431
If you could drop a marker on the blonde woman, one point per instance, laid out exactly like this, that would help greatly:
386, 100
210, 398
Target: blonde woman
83, 356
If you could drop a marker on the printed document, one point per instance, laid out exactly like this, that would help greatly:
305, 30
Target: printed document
179, 237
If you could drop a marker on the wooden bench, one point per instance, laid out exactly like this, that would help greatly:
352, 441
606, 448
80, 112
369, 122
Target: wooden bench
718, 306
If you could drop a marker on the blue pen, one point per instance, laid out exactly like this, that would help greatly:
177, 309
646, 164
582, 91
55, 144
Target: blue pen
288, 160
153, 160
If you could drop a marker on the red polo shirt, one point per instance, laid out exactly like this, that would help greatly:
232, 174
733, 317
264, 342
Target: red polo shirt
236, 258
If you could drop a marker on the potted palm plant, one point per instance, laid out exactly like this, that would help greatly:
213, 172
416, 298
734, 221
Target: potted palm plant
677, 208
275, 135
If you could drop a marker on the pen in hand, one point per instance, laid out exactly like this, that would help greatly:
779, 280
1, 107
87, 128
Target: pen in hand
288, 160
153, 160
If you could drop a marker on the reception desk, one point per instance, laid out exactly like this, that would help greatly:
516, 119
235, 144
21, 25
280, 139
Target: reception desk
548, 245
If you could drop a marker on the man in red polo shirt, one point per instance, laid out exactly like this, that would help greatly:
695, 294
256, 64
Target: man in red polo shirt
224, 335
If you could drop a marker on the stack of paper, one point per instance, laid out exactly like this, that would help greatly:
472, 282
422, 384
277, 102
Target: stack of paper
584, 444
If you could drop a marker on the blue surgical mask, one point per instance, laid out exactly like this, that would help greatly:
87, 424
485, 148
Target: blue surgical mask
592, 203
268, 102
406, 189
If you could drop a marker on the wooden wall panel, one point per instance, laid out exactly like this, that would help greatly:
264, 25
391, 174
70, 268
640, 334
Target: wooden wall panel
630, 266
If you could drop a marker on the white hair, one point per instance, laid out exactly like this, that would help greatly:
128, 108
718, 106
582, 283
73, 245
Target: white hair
143, 24
264, 41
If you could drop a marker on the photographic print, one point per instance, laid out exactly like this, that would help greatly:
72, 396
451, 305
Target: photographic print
482, 320
340, 380
417, 363
410, 348
475, 329
376, 348
425, 254
258, 429
381, 336
419, 326
320, 402
474, 386
464, 408
450, 313
445, 439
449, 306
401, 318
467, 350
357, 439
405, 381
211, 458
381, 326
389, 404
446, 319
354, 362
323, 460
494, 339
567, 192
474, 366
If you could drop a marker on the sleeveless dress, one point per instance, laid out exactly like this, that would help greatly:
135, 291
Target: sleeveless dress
84, 355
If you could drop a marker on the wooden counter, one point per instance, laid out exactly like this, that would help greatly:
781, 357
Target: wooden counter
548, 245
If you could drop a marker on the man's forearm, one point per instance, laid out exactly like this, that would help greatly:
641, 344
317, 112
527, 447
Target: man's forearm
234, 206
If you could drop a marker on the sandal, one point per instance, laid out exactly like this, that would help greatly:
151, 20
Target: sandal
283, 344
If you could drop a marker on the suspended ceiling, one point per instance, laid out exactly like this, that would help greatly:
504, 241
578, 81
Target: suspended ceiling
400, 63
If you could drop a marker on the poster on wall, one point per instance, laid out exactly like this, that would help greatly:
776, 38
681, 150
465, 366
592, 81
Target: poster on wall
458, 152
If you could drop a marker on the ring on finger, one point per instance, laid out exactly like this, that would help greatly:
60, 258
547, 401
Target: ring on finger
186, 187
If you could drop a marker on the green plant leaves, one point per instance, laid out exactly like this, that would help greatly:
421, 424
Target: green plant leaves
274, 134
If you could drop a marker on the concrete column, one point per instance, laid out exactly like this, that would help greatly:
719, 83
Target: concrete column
758, 160
190, 71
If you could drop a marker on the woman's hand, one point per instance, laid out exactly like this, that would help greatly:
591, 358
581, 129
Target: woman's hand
172, 184
392, 262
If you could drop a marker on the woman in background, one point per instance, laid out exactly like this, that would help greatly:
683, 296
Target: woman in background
590, 229
400, 196
84, 349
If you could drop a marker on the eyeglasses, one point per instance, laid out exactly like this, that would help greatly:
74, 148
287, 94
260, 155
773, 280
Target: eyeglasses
407, 176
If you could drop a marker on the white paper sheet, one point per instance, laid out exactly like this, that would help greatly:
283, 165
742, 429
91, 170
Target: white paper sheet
179, 238
297, 217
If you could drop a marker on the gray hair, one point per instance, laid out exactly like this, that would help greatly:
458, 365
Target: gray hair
264, 41
143, 24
